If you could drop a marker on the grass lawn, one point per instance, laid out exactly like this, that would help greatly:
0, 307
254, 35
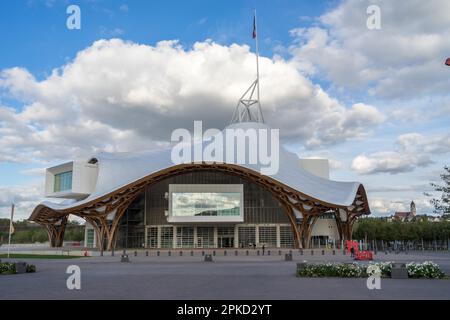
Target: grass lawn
38, 256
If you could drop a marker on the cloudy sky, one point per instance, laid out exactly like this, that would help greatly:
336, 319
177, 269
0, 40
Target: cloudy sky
376, 102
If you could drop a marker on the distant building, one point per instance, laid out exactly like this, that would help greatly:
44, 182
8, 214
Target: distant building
406, 215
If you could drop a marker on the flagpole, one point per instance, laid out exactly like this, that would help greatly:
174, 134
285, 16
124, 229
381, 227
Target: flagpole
257, 67
10, 228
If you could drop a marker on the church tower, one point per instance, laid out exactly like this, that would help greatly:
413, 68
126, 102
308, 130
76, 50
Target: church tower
413, 208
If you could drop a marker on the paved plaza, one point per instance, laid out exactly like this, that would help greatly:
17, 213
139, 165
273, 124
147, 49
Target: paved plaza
228, 277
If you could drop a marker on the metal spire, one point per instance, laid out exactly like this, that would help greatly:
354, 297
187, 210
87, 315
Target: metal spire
248, 108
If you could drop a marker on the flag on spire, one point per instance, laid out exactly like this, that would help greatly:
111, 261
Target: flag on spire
254, 27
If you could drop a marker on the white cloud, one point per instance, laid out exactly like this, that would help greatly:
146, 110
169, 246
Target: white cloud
388, 161
400, 188
120, 96
40, 172
386, 207
405, 58
411, 151
25, 198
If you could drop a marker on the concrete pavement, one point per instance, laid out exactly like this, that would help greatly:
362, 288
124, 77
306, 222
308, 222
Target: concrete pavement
228, 277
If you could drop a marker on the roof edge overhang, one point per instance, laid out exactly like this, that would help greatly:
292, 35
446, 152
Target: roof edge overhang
45, 213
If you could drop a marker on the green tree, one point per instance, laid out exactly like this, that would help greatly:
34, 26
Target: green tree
442, 205
381, 229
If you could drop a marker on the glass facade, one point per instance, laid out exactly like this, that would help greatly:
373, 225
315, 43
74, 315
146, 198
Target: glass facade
167, 237
145, 223
225, 237
131, 233
206, 204
185, 237
63, 181
152, 237
247, 236
205, 237
90, 238
286, 237
268, 236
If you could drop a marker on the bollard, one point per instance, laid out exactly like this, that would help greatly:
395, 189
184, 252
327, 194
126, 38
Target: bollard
192, 253
225, 252
181, 253
236, 253
169, 253
246, 252
268, 252
112, 252
203, 253
323, 252
312, 252
301, 252
214, 253
146, 253
288, 257
158, 253
135, 253
279, 252
334, 252
257, 252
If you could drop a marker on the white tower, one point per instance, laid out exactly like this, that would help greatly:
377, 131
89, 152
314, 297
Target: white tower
413, 208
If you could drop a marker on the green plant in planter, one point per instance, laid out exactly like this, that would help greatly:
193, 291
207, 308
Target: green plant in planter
427, 269
343, 270
385, 268
7, 268
31, 268
351, 270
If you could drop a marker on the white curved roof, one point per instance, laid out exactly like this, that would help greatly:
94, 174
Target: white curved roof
120, 169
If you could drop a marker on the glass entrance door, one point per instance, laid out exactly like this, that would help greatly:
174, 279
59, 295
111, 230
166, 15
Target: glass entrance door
225, 237
225, 242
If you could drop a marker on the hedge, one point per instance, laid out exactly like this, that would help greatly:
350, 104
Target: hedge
10, 268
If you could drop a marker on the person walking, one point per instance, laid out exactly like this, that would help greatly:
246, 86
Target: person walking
263, 248
352, 252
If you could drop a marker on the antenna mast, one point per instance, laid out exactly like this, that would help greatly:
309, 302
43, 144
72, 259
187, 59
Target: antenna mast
244, 111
